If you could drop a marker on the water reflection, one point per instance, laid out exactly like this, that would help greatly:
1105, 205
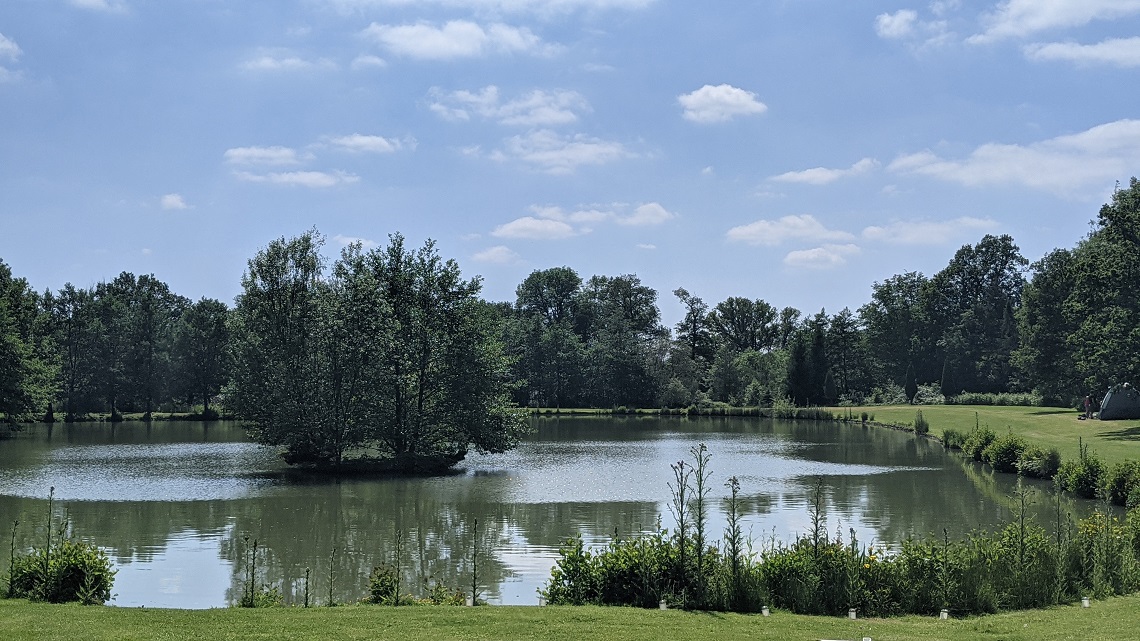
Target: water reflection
178, 505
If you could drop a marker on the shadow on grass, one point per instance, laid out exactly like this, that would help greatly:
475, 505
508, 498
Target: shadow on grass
1123, 434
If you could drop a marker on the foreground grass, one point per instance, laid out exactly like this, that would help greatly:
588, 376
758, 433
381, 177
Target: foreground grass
1113, 441
1117, 618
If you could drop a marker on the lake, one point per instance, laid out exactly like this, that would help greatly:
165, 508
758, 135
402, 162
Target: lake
178, 505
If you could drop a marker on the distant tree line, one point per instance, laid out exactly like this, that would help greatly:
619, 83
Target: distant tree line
989, 322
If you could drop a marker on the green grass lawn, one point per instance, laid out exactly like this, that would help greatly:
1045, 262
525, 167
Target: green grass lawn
1113, 441
1117, 618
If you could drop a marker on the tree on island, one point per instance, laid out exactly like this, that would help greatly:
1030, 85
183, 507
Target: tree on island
391, 360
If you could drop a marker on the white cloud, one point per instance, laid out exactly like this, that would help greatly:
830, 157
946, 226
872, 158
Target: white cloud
365, 61
647, 214
146, 251
9, 50
646, 246
719, 104
825, 257
823, 176
1122, 52
173, 201
542, 7
110, 6
535, 229
455, 39
360, 143
578, 217
927, 232
270, 62
1019, 18
555, 154
536, 108
919, 34
943, 7
775, 232
1060, 165
900, 24
642, 216
261, 156
314, 179
345, 241
499, 254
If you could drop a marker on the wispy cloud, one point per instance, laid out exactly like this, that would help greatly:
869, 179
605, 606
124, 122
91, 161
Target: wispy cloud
109, 6
927, 232
1019, 18
499, 255
906, 25
551, 222
1060, 165
536, 108
367, 61
285, 62
345, 241
456, 39
361, 143
541, 7
173, 201
261, 156
1120, 52
897, 25
825, 257
645, 215
312, 179
719, 103
788, 228
9, 53
533, 228
553, 153
823, 175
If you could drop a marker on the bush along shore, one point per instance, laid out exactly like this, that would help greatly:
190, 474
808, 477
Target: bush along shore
1022, 566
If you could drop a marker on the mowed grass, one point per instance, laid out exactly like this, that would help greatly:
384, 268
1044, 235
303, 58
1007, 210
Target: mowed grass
1112, 441
1116, 618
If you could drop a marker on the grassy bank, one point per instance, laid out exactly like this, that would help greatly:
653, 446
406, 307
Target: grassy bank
1116, 618
1112, 441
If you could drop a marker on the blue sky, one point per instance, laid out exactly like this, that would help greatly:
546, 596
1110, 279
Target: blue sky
795, 151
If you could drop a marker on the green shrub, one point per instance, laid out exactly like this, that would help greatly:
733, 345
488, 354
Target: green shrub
977, 441
1082, 476
1004, 452
1003, 399
70, 571
921, 425
953, 439
1037, 462
1122, 483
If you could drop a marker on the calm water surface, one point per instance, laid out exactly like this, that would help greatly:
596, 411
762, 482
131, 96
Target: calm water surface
177, 505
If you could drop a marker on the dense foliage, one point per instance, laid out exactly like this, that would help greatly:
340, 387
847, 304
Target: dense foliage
985, 329
392, 356
1021, 566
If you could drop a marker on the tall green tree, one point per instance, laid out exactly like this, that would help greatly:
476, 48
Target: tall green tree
391, 357
26, 370
971, 305
548, 351
745, 324
201, 344
895, 325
